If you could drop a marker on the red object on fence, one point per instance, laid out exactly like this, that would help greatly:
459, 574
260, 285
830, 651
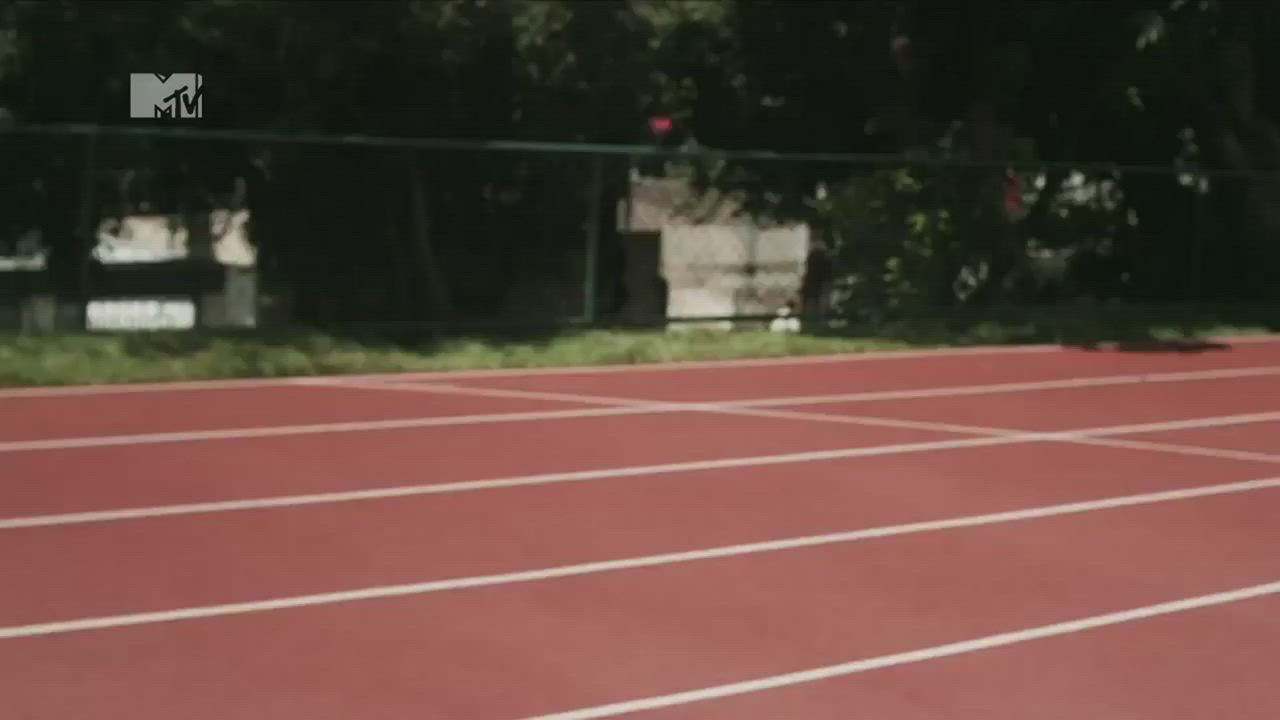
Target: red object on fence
660, 125
1013, 195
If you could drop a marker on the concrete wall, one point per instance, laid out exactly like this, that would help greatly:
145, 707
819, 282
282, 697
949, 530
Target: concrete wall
150, 239
156, 238
714, 261
725, 270
236, 306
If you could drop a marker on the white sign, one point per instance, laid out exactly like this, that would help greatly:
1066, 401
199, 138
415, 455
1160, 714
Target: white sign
142, 314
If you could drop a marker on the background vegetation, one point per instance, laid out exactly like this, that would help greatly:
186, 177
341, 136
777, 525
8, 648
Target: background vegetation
1016, 131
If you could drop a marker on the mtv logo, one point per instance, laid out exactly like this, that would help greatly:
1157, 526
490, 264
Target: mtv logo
176, 95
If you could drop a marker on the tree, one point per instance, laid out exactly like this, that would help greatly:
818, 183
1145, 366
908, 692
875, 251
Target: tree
996, 82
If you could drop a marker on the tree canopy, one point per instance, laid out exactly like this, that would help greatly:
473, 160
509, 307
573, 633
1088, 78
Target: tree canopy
1168, 83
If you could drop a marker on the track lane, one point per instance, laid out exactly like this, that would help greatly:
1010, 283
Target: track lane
1211, 662
1254, 437
40, 418
918, 372
1075, 408
83, 479
588, 640
167, 562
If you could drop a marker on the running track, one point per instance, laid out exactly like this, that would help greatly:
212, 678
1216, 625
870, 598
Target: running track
1008, 533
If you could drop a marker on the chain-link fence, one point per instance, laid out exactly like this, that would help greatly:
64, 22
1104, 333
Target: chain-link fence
155, 227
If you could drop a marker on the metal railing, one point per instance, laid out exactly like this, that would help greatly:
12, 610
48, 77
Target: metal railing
383, 230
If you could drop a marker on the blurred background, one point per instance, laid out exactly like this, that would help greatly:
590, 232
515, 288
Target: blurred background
466, 166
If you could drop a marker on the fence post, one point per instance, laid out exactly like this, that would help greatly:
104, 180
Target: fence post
87, 230
592, 233
1196, 281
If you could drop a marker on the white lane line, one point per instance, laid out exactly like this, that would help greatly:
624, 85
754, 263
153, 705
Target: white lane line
1083, 436
988, 642
1101, 436
1067, 435
765, 408
1195, 450
1170, 425
618, 406
908, 394
632, 563
1013, 387
496, 483
75, 390
875, 421
988, 437
503, 393
316, 428
741, 407
1078, 435
726, 408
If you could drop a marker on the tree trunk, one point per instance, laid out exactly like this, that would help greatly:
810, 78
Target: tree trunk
400, 272
67, 226
437, 284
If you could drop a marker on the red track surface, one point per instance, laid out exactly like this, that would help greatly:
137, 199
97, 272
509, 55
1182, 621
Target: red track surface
1255, 437
648, 626
33, 418
1213, 663
92, 478
861, 375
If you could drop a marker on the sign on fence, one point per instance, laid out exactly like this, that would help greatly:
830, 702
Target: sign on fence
141, 314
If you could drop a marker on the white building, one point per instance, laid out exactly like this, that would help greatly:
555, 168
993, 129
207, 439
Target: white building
695, 256
159, 241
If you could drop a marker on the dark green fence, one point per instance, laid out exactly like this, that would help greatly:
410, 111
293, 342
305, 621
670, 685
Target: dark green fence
415, 232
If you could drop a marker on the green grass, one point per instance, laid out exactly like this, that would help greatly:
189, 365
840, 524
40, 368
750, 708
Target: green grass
115, 358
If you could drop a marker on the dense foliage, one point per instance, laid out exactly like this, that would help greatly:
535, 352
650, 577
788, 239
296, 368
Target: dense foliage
974, 97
